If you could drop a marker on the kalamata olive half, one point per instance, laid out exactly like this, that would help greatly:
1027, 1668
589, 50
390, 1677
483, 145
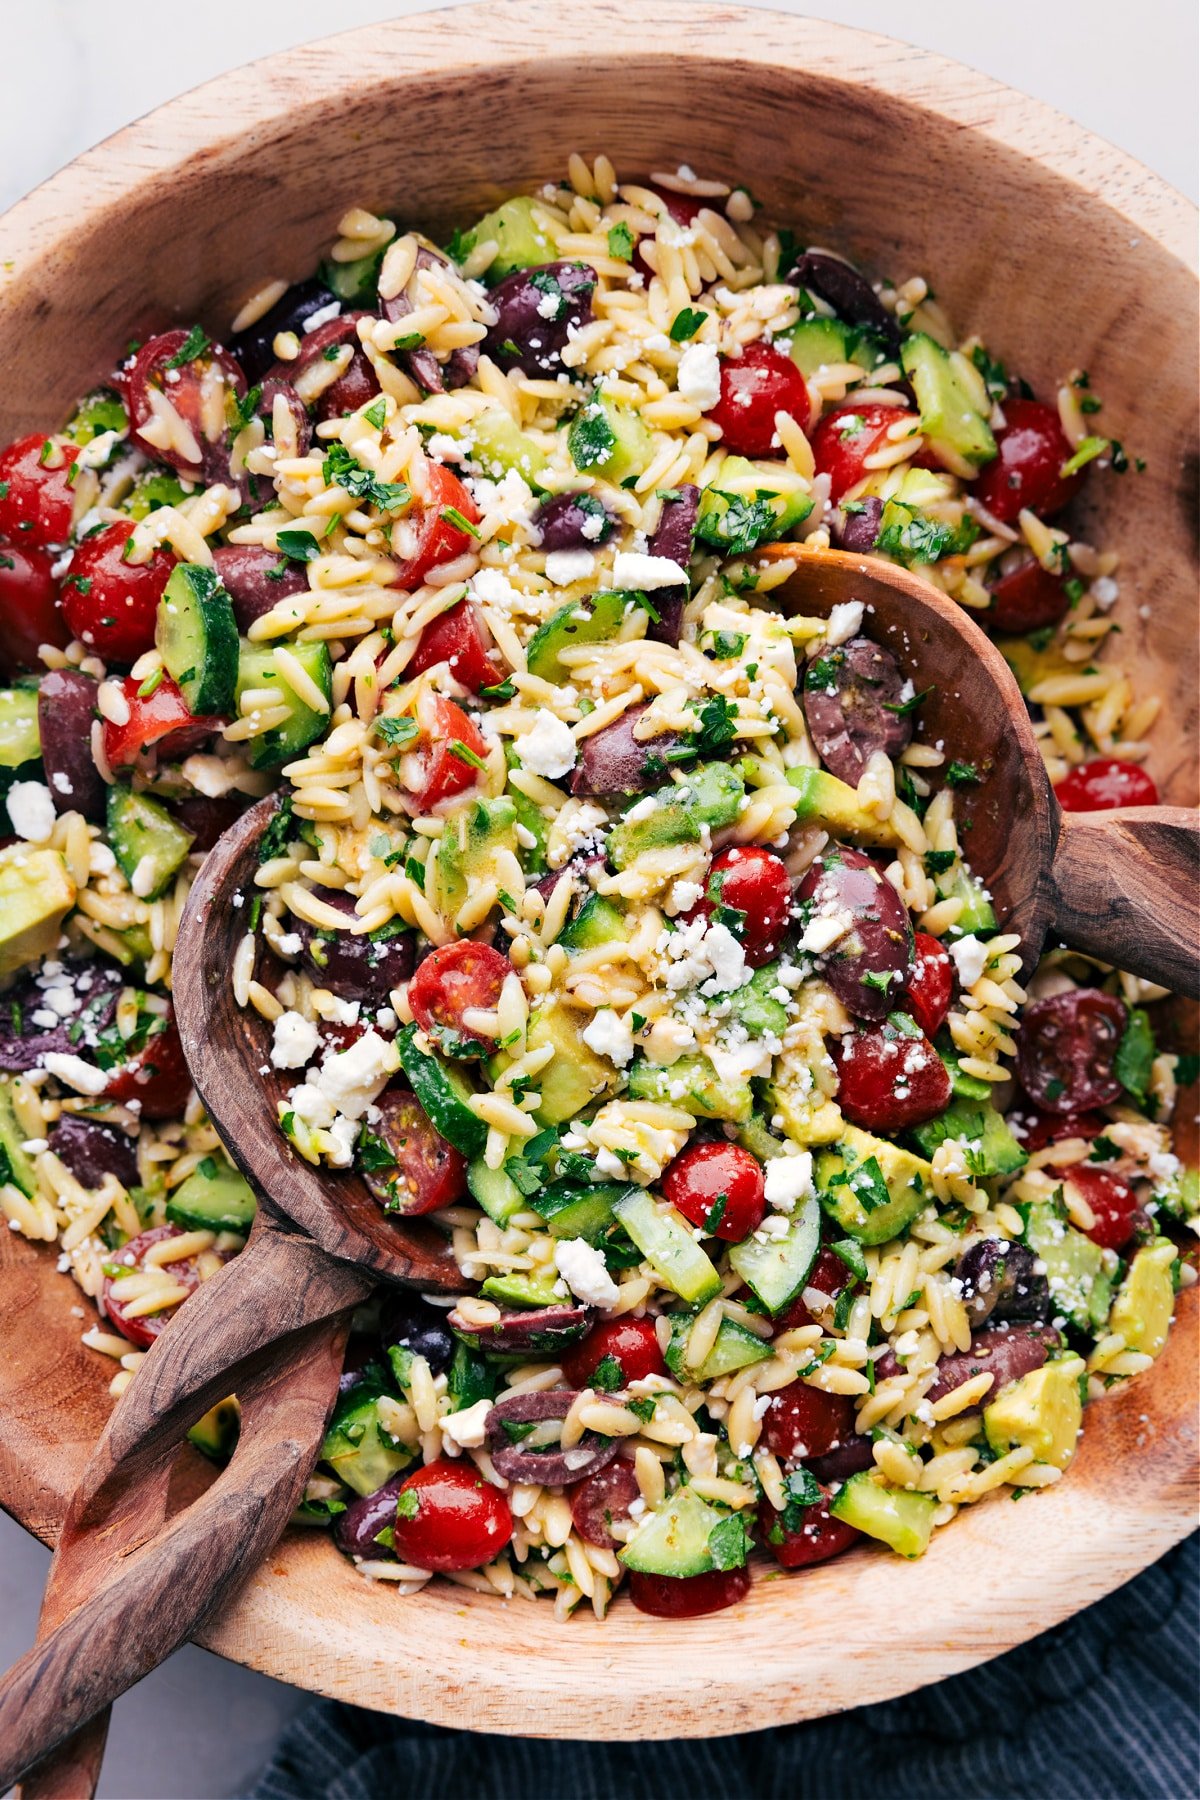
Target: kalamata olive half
535, 311
257, 579
355, 1530
850, 294
613, 761
573, 522
673, 539
553, 1468
92, 1150
255, 347
412, 1323
852, 696
1005, 1354
66, 708
1000, 1281
355, 968
602, 1498
63, 1008
544, 1328
866, 964
421, 364
857, 530
838, 1465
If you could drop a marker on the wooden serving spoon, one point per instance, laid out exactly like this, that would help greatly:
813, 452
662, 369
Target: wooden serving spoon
1121, 886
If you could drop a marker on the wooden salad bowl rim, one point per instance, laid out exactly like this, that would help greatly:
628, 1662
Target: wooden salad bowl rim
867, 1626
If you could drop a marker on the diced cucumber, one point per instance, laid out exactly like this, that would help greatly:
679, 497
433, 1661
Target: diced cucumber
754, 1007
977, 914
256, 669
826, 801
1041, 1411
470, 1377
216, 1434
355, 283
964, 1087
950, 417
1080, 1287
673, 1540
748, 504
818, 343
694, 1084
16, 1164
714, 793
578, 622
897, 1517
598, 921
990, 1147
735, 1348
520, 1290
444, 1093
496, 444
147, 842
154, 488
755, 1136
775, 1272
1180, 1198
519, 231
213, 1199
872, 1189
610, 440
496, 1192
196, 635
100, 411
571, 1212
20, 739
665, 1239
357, 1449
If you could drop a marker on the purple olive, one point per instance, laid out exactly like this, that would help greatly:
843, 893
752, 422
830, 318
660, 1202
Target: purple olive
422, 365
208, 819
545, 1328
84, 1001
857, 531
550, 1467
850, 294
536, 309
411, 1323
852, 694
673, 539
855, 1453
257, 579
273, 388
573, 522
613, 761
353, 387
1001, 1281
1006, 1354
866, 966
92, 1150
355, 968
577, 869
255, 347
359, 1360
66, 708
355, 1530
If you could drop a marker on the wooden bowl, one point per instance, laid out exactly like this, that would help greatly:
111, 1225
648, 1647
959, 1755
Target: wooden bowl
1063, 252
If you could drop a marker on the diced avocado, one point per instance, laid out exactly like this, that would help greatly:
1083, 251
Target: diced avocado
714, 793
357, 1449
693, 1084
497, 444
36, 894
147, 842
217, 1432
256, 669
977, 914
898, 1518
16, 1164
520, 1290
870, 1188
950, 417
710, 795
598, 921
576, 1075
608, 439
1042, 1411
673, 1540
496, 1192
747, 504
571, 1212
519, 231
196, 635
818, 343
154, 488
990, 1147
213, 1198
1145, 1299
824, 800
444, 1093
665, 1239
471, 838
777, 1270
578, 622
20, 739
809, 1116
754, 1007
1080, 1288
735, 1348
100, 411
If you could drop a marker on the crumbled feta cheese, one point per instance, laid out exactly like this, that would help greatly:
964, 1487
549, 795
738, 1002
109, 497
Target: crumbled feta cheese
344, 1135
549, 748
322, 316
641, 810
683, 896
466, 1429
788, 1179
609, 1163
493, 588
295, 1041
61, 783
638, 570
289, 943
84, 1077
31, 811
743, 1062
1104, 591
824, 930
352, 1079
212, 776
699, 376
845, 620
970, 959
582, 1268
610, 1035
727, 958
774, 1226
565, 566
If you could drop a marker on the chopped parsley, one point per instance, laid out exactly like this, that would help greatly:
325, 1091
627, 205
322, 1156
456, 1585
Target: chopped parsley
341, 469
962, 774
729, 1543
686, 324
736, 527
620, 243
298, 546
194, 344
397, 731
463, 753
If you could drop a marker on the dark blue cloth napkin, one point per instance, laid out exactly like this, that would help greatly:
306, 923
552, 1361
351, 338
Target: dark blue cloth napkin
1102, 1708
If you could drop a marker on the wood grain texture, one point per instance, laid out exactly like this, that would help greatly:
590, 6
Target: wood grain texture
1127, 889
179, 216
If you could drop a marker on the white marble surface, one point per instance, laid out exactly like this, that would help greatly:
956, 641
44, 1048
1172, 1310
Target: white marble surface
75, 71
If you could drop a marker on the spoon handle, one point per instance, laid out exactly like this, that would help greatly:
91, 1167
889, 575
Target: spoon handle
1127, 889
135, 1573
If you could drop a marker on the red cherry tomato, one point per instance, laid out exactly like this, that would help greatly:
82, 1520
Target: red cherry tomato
159, 720
929, 983
37, 499
688, 1596
429, 1173
156, 1077
439, 771
1027, 471
1105, 783
846, 437
632, 1344
804, 1421
1048, 1128
203, 390
603, 1498
704, 1175
1026, 600
30, 610
438, 538
460, 1520
828, 1275
1067, 1047
819, 1537
888, 1081
111, 604
143, 1331
754, 387
457, 637
450, 982
754, 882
1112, 1200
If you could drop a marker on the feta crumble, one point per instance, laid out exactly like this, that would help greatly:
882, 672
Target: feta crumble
970, 959
295, 1041
699, 376
582, 1268
31, 811
637, 569
845, 621
549, 748
788, 1179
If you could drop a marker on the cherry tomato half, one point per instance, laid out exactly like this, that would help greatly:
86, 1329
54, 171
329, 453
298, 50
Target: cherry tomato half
1027, 472
156, 1077
828, 1275
111, 604
37, 499
704, 1176
1027, 599
820, 1536
450, 982
688, 1596
438, 538
755, 386
159, 720
448, 1517
929, 983
846, 437
887, 1080
804, 1421
459, 638
1105, 783
1051, 1128
755, 883
30, 610
631, 1343
202, 389
1112, 1200
427, 1173
143, 1331
1066, 1048
439, 769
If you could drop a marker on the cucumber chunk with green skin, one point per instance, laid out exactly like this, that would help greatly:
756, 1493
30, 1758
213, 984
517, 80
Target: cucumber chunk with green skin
578, 622
870, 1188
1080, 1286
147, 842
674, 1538
756, 1137
989, 1146
213, 1199
609, 440
694, 1084
597, 922
16, 1165
585, 1212
444, 1093
754, 1007
355, 283
256, 669
735, 1348
520, 237
496, 444
742, 508
155, 488
520, 1290
898, 1518
496, 1192
196, 635
358, 1450
470, 1377
818, 343
665, 1239
963, 1087
824, 800
950, 418
100, 411
776, 1271
977, 914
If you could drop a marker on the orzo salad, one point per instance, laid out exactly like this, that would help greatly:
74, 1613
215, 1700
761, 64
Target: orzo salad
614, 913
